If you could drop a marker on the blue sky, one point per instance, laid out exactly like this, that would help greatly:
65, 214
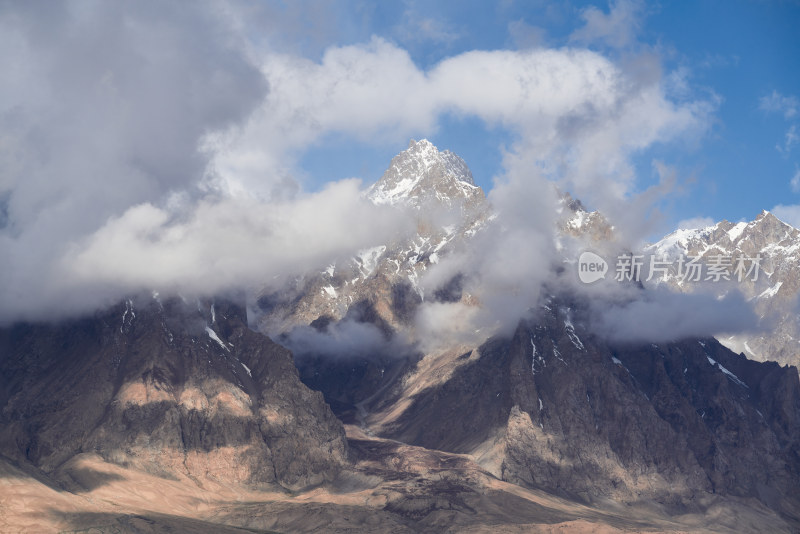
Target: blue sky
740, 55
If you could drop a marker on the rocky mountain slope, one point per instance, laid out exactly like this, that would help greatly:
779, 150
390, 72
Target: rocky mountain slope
773, 290
138, 420
173, 389
556, 408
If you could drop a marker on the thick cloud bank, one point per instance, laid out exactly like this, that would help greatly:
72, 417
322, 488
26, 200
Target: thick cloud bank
153, 146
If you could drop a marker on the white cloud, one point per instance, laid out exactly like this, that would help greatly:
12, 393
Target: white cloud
695, 222
790, 214
105, 139
660, 315
775, 102
245, 241
367, 91
96, 117
579, 115
617, 29
795, 181
215, 246
790, 139
504, 266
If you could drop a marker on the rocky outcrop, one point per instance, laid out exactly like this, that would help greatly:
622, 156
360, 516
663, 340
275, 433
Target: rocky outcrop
174, 389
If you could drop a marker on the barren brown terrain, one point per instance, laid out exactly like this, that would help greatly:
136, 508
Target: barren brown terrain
391, 487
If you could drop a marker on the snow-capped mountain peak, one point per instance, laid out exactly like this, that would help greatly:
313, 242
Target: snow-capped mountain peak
765, 231
775, 246
449, 210
422, 173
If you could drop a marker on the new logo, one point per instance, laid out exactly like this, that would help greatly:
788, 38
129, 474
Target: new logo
591, 267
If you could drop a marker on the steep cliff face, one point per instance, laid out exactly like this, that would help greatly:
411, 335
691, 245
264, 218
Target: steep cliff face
172, 389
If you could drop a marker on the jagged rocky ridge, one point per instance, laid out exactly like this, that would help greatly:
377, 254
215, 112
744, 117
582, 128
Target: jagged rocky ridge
774, 291
181, 401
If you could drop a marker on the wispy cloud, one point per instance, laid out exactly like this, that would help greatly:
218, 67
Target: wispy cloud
789, 214
795, 181
775, 102
524, 35
787, 106
418, 25
695, 222
790, 139
617, 28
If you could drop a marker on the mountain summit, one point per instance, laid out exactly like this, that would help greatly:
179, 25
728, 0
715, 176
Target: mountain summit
449, 209
422, 173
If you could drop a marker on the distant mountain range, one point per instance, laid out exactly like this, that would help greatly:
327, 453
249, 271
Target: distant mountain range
776, 287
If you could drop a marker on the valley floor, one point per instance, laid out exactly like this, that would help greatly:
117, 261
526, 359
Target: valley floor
392, 487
